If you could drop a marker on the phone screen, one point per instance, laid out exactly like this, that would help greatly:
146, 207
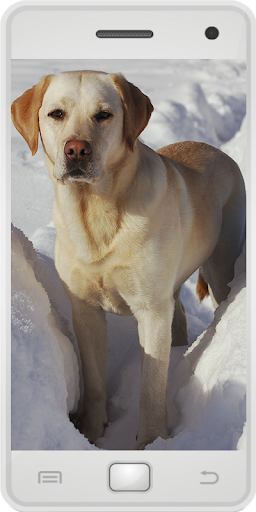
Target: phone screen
199, 100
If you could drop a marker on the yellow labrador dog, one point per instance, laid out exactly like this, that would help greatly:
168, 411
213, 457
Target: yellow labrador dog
132, 225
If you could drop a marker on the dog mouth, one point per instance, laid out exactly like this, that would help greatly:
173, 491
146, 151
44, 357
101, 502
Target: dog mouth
79, 175
76, 174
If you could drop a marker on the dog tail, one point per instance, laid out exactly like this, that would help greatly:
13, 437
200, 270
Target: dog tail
202, 288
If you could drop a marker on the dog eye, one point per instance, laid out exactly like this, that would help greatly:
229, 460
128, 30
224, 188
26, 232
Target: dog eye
101, 116
57, 114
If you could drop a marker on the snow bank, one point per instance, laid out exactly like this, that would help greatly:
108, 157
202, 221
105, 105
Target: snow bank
187, 116
45, 385
236, 148
209, 385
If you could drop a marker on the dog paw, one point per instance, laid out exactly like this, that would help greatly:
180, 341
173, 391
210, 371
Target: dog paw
142, 442
141, 445
90, 432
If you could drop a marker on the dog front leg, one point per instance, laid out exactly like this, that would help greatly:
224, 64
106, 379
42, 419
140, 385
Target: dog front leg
154, 326
91, 331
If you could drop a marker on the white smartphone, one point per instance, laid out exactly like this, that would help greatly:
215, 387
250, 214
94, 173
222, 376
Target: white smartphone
128, 357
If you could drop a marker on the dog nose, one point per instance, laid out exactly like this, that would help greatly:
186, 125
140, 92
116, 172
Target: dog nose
77, 149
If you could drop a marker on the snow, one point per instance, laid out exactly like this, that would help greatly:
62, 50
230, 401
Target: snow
211, 397
194, 100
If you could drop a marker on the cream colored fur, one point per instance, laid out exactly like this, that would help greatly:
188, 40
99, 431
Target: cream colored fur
131, 228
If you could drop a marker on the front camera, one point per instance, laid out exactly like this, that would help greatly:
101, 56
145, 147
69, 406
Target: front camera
211, 33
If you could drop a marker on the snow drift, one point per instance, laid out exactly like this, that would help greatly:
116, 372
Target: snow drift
45, 373
209, 384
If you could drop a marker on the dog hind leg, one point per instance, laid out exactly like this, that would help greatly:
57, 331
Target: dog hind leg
179, 323
218, 269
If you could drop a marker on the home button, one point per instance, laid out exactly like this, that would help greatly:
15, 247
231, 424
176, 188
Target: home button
129, 477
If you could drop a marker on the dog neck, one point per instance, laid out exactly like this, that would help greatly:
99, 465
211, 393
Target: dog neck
97, 209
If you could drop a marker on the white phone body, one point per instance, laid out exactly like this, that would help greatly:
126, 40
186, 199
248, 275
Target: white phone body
207, 464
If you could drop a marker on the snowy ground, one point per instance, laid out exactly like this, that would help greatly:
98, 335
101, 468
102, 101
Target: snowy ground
193, 100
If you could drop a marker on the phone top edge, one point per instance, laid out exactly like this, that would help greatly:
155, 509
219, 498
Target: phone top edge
120, 5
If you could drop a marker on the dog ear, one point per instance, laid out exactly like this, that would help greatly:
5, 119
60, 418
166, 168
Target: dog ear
25, 111
137, 108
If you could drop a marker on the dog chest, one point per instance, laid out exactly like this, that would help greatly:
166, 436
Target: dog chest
103, 291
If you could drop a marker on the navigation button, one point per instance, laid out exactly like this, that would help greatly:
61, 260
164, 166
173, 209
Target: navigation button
50, 477
210, 477
128, 477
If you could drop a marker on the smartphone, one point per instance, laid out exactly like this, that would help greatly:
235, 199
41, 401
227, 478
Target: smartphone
128, 319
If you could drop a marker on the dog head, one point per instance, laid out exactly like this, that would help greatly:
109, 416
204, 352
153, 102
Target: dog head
87, 121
